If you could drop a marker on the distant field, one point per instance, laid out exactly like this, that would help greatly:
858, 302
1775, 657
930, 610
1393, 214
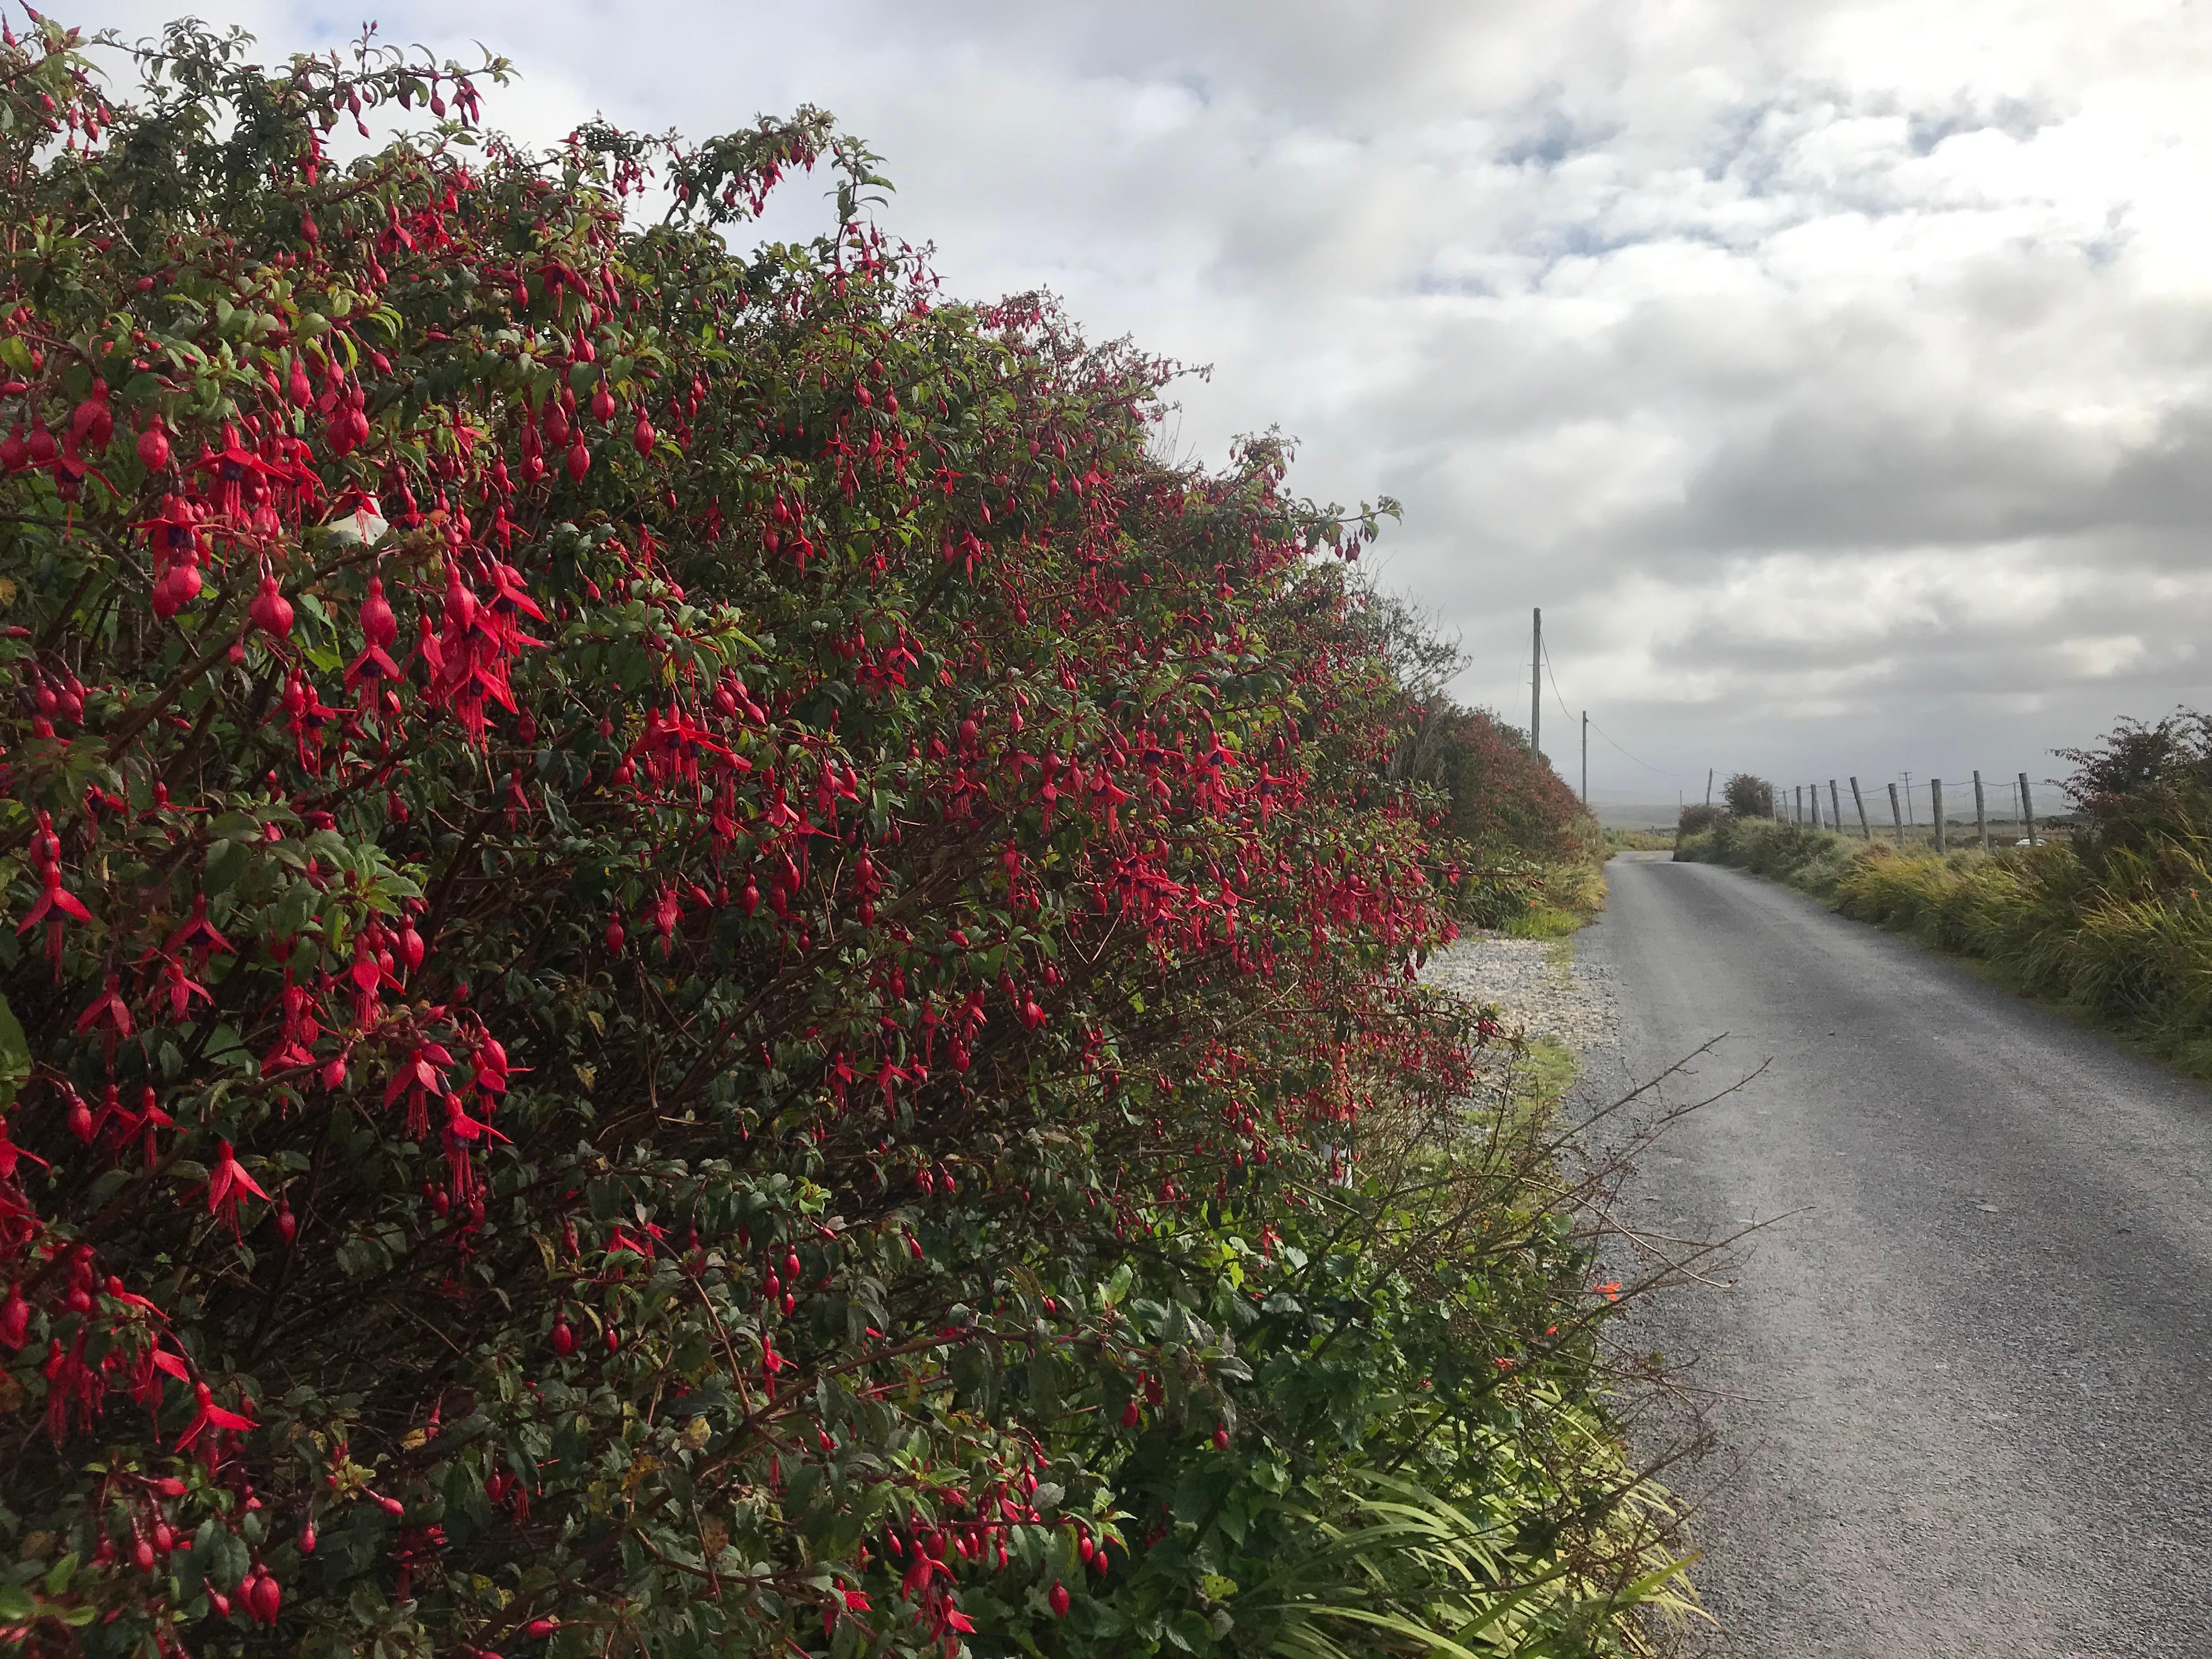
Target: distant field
1635, 814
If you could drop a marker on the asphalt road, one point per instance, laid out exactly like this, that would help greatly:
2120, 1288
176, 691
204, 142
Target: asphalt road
1967, 1381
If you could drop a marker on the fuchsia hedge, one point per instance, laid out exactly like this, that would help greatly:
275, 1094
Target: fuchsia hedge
681, 935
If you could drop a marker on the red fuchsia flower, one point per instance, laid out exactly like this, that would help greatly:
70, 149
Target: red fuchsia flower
154, 445
151, 1121
509, 600
307, 715
155, 1363
72, 1388
348, 426
421, 1076
109, 1014
231, 466
57, 908
261, 1595
92, 426
378, 625
197, 935
667, 912
411, 945
271, 610
298, 1030
211, 1416
370, 675
227, 1184
492, 1070
14, 1318
470, 666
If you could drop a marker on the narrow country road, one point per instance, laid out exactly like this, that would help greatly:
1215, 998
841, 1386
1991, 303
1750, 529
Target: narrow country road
1968, 1379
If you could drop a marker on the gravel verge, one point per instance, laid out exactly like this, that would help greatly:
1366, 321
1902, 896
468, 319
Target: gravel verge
1543, 989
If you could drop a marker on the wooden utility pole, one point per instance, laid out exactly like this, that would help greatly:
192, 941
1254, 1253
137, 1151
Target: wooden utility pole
1935, 793
1909, 818
1981, 812
1536, 688
1897, 815
1859, 801
2027, 810
1586, 760
1708, 786
1836, 807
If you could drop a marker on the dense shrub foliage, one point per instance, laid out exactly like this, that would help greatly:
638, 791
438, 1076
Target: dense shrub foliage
1498, 795
695, 969
1531, 839
2142, 785
1748, 797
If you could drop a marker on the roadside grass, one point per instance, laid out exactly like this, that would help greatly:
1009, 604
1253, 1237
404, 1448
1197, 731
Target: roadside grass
1639, 841
2126, 947
1543, 1072
1545, 921
1573, 893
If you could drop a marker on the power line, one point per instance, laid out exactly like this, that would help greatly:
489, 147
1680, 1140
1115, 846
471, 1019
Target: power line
1553, 674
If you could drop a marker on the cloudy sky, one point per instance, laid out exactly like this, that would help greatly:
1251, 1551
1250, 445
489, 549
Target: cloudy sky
1837, 377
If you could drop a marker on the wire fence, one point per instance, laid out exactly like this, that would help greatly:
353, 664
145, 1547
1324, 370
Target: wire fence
1986, 809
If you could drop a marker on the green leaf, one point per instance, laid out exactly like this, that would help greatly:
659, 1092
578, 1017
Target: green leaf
14, 1054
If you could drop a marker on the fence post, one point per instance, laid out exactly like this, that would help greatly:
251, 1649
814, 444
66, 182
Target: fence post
1859, 801
2026, 809
1897, 815
1797, 810
1936, 793
1981, 812
1836, 807
1813, 791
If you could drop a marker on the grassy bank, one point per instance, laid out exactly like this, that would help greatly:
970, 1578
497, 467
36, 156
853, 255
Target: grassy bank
2120, 935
